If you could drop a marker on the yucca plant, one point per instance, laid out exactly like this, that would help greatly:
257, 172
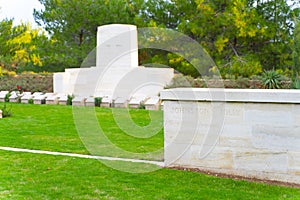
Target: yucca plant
271, 79
6, 112
296, 83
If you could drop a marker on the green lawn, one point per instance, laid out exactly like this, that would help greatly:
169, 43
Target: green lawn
32, 176
52, 128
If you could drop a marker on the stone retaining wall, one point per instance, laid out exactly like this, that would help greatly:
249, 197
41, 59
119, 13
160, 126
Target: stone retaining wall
252, 133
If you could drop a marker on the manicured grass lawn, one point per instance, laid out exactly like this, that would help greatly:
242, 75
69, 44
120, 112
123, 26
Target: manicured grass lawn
33, 176
52, 128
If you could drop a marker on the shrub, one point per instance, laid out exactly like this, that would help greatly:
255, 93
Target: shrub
70, 98
6, 112
30, 101
98, 101
180, 80
11, 73
6, 98
246, 66
29, 82
296, 83
142, 106
271, 79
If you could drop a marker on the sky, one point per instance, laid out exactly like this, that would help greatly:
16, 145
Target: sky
20, 10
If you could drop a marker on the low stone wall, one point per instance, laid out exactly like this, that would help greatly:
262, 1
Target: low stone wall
252, 133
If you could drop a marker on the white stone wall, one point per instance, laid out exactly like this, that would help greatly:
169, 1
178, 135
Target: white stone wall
253, 133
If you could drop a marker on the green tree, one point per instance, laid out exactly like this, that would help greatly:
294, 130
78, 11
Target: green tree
240, 29
296, 49
73, 24
20, 45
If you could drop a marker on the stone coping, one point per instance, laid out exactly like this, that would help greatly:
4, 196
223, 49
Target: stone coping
232, 95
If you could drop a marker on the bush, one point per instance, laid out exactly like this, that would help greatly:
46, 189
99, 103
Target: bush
6, 112
246, 66
142, 106
180, 80
271, 79
98, 101
28, 82
70, 98
6, 98
296, 83
30, 101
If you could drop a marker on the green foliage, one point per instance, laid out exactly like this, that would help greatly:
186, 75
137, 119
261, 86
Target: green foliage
142, 106
296, 83
245, 36
271, 79
73, 25
6, 98
6, 112
242, 67
180, 80
296, 49
70, 98
98, 101
61, 135
21, 45
29, 82
57, 174
30, 101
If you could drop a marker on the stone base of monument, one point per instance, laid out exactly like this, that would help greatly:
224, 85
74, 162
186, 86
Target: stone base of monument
116, 73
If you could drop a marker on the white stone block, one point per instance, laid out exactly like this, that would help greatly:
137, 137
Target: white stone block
39, 98
3, 95
152, 103
78, 101
14, 97
121, 103
106, 102
248, 135
25, 98
90, 101
136, 101
62, 99
52, 99
260, 160
294, 162
274, 137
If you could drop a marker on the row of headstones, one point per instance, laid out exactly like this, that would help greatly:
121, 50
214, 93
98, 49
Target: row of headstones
152, 103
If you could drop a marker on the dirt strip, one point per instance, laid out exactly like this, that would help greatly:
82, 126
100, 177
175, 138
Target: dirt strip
235, 177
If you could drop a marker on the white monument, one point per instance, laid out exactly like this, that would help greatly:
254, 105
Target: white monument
116, 74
